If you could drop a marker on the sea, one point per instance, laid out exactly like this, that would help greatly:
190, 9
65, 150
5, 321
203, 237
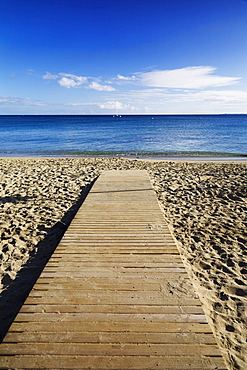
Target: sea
124, 135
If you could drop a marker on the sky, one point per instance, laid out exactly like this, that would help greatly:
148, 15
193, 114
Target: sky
123, 56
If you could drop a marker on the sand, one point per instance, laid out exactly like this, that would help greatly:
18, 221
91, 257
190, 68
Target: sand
204, 204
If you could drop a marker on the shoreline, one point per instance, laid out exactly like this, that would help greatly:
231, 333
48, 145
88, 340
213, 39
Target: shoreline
204, 203
182, 158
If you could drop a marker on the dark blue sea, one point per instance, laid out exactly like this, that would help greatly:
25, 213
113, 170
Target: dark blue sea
126, 135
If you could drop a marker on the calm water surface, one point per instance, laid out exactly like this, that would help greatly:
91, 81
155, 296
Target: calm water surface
127, 134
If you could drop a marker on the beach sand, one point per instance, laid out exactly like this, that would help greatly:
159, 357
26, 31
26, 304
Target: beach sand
204, 203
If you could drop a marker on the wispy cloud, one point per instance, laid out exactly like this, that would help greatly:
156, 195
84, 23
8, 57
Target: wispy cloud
223, 96
7, 100
200, 77
80, 104
49, 76
96, 86
126, 78
117, 105
212, 96
112, 105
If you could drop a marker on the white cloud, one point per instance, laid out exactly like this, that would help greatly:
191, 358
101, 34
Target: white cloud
212, 96
66, 79
96, 86
116, 106
30, 71
19, 101
185, 78
120, 79
82, 104
124, 78
76, 104
49, 76
143, 94
111, 105
69, 80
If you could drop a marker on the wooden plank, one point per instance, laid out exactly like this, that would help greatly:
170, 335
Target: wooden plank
119, 244
114, 274
108, 300
87, 270
131, 236
152, 258
110, 317
166, 294
144, 327
89, 285
127, 227
180, 278
105, 261
114, 363
100, 349
120, 250
91, 229
109, 337
112, 309
183, 277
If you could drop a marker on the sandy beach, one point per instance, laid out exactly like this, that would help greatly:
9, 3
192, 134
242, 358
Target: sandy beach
204, 204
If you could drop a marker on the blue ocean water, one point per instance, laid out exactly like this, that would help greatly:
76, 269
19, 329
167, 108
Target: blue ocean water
160, 134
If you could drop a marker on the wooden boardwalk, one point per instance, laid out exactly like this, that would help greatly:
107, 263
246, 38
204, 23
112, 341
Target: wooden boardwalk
115, 294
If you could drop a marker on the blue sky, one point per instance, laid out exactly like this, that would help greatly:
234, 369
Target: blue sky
129, 57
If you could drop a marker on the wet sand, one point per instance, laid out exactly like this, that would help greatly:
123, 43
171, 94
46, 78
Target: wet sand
204, 203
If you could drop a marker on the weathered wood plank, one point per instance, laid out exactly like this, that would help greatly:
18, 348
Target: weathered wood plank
100, 349
130, 258
111, 270
111, 308
112, 362
117, 264
121, 250
108, 300
109, 337
144, 327
116, 281
102, 317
